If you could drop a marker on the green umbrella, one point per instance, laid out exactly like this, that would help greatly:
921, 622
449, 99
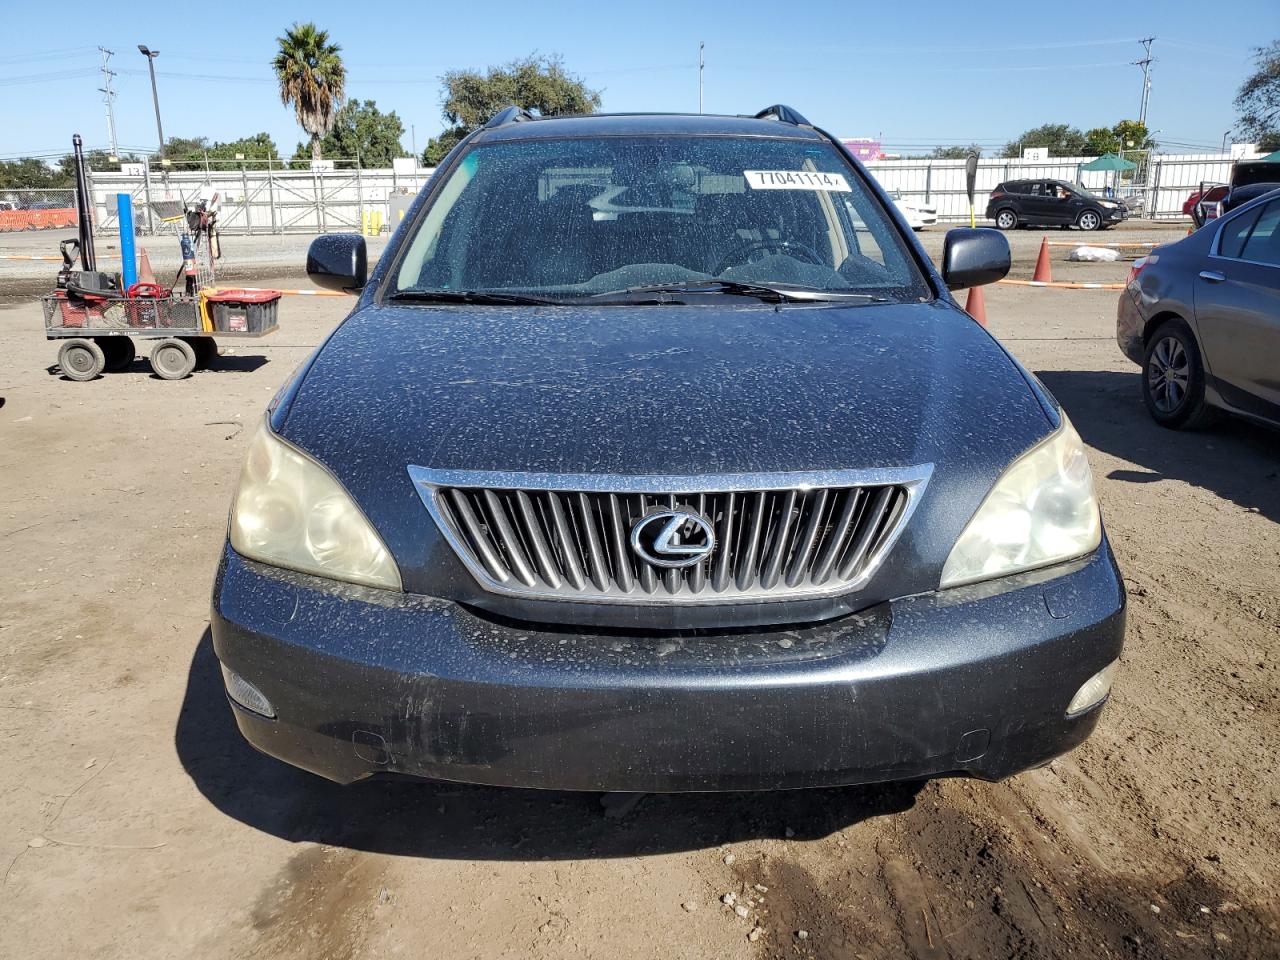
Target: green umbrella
1272, 157
1109, 161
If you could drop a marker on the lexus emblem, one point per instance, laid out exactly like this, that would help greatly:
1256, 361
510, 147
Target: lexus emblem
673, 538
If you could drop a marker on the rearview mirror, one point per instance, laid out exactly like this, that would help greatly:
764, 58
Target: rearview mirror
338, 261
973, 256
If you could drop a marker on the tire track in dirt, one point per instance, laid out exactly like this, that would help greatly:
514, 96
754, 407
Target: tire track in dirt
970, 874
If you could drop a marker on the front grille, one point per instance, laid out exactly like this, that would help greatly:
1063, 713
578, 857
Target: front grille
571, 537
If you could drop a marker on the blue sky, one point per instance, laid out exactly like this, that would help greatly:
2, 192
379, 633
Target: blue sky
916, 74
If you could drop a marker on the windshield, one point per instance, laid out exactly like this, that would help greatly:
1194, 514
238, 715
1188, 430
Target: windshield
570, 218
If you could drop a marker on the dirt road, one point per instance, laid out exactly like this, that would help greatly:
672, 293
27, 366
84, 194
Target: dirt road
135, 823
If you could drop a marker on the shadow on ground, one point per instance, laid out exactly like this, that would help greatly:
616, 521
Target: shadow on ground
413, 818
1237, 460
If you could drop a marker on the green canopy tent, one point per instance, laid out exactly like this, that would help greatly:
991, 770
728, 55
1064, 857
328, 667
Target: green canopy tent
1272, 157
1109, 161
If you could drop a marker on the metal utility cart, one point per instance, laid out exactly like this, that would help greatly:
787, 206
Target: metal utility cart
98, 317
99, 333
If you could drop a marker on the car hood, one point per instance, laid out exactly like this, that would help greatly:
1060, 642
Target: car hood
661, 390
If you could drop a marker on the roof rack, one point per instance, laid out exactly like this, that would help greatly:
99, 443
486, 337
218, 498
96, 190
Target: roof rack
511, 114
783, 114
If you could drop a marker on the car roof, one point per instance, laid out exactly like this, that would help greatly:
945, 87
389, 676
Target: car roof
645, 124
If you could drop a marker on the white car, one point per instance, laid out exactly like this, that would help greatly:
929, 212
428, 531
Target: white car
919, 215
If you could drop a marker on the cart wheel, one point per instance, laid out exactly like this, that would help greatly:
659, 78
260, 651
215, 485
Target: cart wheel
118, 351
81, 359
206, 351
172, 359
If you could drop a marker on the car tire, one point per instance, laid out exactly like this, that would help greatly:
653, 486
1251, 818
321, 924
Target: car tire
81, 359
1006, 219
1089, 220
1173, 378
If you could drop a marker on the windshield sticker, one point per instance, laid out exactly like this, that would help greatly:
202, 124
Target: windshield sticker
796, 180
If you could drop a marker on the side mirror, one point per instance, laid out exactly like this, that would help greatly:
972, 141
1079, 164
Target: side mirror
972, 257
338, 261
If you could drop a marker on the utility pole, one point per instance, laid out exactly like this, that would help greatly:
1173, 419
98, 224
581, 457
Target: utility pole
1224, 141
107, 96
701, 67
1145, 63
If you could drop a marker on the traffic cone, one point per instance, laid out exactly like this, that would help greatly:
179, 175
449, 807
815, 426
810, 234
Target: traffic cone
1043, 271
975, 305
145, 273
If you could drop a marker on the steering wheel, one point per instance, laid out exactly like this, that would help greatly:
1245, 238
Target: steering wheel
741, 252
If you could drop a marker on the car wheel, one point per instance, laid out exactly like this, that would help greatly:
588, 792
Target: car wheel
1173, 378
1006, 219
1089, 221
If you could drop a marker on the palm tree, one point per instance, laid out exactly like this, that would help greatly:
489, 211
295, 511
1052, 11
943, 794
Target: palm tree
312, 78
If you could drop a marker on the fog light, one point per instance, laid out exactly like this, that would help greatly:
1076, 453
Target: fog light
1094, 690
247, 695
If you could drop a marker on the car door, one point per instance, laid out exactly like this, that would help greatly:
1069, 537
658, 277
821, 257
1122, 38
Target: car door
1237, 308
1032, 201
1058, 208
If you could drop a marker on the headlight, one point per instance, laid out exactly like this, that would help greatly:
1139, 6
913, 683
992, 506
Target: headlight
290, 512
1108, 204
1040, 512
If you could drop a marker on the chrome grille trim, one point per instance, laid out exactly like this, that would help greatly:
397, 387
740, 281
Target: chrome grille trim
780, 536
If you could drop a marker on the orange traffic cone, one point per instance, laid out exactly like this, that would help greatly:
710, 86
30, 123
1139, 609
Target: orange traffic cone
145, 273
975, 305
1043, 271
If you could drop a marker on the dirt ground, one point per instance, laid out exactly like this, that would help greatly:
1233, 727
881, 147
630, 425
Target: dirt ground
135, 823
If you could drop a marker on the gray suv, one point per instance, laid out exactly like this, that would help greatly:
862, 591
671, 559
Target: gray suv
656, 455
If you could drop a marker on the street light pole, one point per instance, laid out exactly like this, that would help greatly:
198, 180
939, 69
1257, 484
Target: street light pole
1224, 141
155, 96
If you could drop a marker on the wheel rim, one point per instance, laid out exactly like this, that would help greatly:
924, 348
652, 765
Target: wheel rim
171, 359
1169, 374
78, 359
1089, 221
1005, 219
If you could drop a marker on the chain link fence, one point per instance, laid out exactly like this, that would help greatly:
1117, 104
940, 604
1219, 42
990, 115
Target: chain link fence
37, 209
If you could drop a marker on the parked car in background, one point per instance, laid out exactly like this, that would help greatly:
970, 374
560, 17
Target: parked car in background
918, 214
1250, 179
1204, 204
656, 455
1202, 319
1039, 203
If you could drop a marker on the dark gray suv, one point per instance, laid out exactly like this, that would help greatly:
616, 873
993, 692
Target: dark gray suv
656, 455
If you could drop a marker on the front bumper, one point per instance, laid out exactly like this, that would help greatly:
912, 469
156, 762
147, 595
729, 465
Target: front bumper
973, 680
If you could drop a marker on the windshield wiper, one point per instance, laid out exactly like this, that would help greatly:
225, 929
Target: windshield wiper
470, 296
737, 288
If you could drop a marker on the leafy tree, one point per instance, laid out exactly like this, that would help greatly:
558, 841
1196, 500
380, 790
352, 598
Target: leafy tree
1062, 140
260, 146
1125, 135
535, 83
955, 153
361, 130
29, 173
1259, 99
312, 78
1133, 135
1100, 140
